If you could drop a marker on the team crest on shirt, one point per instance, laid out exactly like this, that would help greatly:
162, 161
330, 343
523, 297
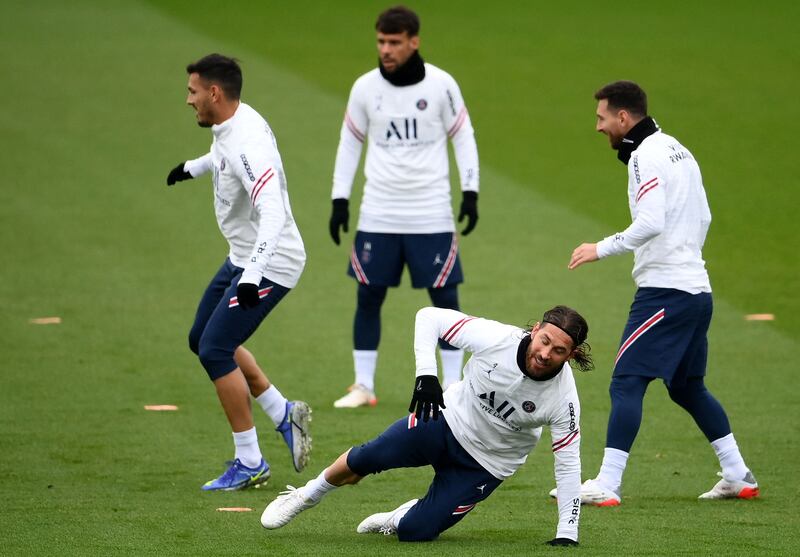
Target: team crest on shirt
528, 406
422, 104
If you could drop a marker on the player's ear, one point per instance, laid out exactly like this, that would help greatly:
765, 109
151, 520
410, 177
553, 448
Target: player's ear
415, 42
535, 329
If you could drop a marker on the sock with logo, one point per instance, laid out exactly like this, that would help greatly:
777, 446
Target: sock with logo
247, 450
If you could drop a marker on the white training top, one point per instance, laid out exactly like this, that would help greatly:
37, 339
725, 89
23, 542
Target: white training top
670, 217
496, 412
407, 167
251, 200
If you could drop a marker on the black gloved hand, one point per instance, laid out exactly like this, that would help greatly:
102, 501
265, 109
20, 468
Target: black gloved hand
469, 209
247, 295
340, 216
562, 541
427, 397
178, 174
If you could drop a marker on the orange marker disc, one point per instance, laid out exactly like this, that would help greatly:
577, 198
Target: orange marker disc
760, 317
160, 407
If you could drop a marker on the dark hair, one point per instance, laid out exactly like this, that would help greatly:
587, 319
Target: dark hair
625, 95
221, 70
398, 19
572, 323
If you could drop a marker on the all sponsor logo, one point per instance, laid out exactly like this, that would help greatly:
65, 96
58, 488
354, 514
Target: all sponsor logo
422, 104
247, 168
528, 406
501, 411
403, 129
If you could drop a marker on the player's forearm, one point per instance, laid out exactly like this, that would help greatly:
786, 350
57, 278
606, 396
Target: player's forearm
348, 155
644, 228
466, 154
272, 219
430, 325
199, 166
568, 490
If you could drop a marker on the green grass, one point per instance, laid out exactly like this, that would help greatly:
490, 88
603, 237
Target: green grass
93, 119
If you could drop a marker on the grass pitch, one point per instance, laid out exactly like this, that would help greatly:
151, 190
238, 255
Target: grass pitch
93, 119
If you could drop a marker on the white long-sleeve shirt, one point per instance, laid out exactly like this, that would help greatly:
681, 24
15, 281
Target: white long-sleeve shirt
496, 412
407, 168
251, 200
670, 216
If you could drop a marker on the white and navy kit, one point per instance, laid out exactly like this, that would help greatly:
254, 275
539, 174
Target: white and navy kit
252, 207
407, 188
671, 312
495, 415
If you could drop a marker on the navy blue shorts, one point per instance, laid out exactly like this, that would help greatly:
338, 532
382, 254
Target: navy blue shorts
432, 259
459, 484
221, 326
666, 335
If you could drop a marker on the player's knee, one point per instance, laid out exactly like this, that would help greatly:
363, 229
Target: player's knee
445, 297
370, 298
692, 391
627, 387
417, 528
215, 360
194, 341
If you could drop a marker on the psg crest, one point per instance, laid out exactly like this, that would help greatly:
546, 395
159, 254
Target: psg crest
528, 406
422, 104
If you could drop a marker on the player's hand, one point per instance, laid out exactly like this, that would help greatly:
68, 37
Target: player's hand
340, 217
562, 541
178, 174
469, 209
426, 398
584, 253
247, 295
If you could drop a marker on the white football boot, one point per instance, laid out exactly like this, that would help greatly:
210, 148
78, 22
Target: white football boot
284, 508
358, 395
385, 523
746, 488
593, 493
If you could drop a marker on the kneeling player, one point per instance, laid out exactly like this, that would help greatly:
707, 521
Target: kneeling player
516, 381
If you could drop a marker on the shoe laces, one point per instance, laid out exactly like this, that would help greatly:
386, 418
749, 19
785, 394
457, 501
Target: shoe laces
287, 493
387, 530
230, 473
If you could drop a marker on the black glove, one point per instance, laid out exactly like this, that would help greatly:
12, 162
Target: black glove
427, 397
178, 174
247, 295
339, 217
562, 541
469, 209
